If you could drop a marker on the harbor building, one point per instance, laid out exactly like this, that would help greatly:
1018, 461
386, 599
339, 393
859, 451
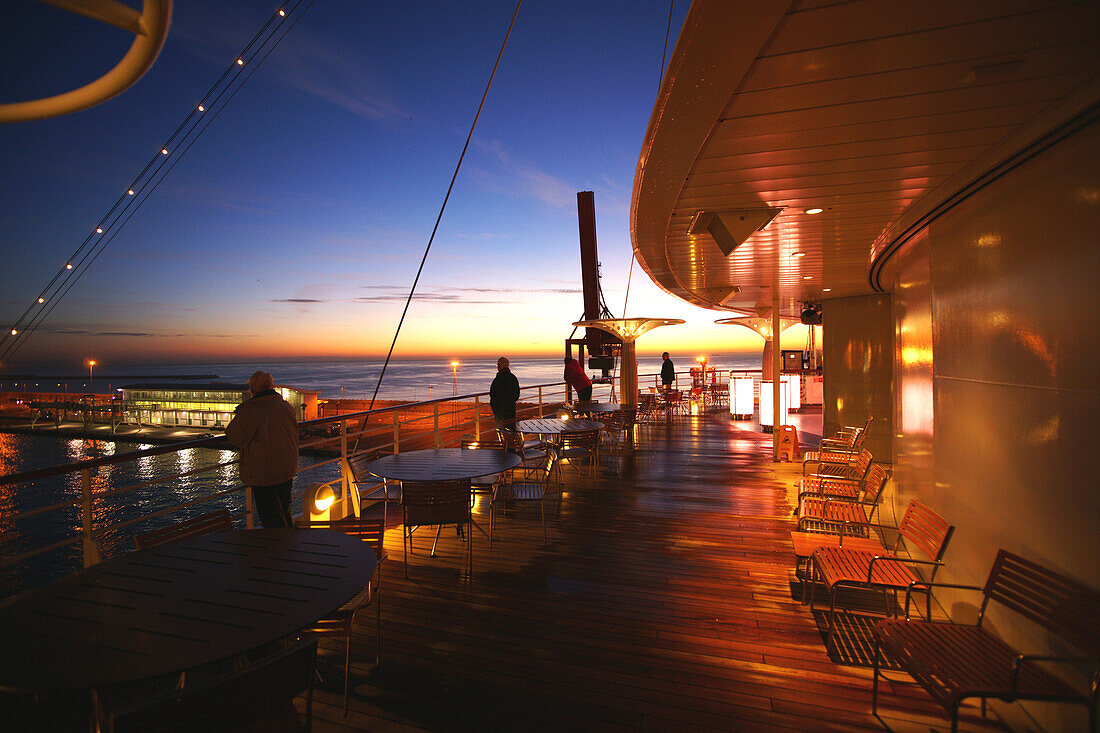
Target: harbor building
200, 405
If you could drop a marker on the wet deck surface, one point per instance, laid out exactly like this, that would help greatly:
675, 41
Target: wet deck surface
665, 600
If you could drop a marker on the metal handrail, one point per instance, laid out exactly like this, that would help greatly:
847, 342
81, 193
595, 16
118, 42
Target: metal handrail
378, 436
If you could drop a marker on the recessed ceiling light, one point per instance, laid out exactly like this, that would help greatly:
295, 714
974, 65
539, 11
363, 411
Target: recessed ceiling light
807, 277
814, 210
798, 254
826, 290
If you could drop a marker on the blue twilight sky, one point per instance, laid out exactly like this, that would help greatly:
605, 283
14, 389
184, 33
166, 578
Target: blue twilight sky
295, 224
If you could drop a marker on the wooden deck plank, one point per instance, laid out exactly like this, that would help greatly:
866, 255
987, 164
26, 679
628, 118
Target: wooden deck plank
665, 599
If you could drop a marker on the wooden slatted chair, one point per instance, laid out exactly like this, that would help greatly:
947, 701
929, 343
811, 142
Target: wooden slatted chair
369, 487
820, 485
839, 449
847, 567
218, 521
852, 466
534, 486
437, 503
240, 700
955, 661
371, 530
838, 514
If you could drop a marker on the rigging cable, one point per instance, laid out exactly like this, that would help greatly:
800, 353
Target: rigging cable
198, 119
660, 78
438, 218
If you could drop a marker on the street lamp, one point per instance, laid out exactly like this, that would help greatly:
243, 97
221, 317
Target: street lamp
91, 363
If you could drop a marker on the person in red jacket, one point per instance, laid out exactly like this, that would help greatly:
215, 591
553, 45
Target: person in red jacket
577, 379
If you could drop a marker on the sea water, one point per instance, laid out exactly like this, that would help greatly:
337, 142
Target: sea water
404, 379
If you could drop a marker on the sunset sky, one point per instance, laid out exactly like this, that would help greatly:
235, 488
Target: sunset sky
295, 224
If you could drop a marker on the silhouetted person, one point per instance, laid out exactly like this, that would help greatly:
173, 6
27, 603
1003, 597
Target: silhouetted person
668, 372
265, 430
503, 394
577, 379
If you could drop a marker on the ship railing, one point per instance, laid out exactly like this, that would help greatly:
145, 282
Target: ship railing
432, 423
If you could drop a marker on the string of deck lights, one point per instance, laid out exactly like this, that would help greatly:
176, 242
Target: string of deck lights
198, 119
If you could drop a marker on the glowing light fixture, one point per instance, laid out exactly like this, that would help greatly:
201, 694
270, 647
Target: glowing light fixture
742, 399
766, 415
99, 230
164, 151
131, 192
68, 266
282, 13
319, 500
240, 62
41, 300
798, 254
826, 290
201, 108
793, 384
14, 332
807, 277
814, 210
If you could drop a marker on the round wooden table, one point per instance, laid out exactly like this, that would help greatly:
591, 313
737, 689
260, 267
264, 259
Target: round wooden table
554, 426
177, 606
443, 464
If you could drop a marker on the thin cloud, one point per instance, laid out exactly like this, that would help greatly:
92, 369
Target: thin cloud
298, 300
520, 175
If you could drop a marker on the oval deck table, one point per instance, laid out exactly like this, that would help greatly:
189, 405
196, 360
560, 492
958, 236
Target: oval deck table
443, 464
177, 606
554, 426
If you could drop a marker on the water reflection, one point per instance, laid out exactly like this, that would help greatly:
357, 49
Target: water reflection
20, 453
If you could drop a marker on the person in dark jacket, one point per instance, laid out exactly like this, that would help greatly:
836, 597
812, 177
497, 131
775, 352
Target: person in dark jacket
266, 431
503, 394
668, 372
577, 379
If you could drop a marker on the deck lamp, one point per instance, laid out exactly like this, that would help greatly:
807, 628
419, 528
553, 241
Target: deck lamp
742, 399
319, 501
766, 421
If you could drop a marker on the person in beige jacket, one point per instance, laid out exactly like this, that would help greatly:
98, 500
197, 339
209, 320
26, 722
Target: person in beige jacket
266, 431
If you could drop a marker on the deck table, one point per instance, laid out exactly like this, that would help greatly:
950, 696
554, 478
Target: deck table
555, 426
177, 606
443, 464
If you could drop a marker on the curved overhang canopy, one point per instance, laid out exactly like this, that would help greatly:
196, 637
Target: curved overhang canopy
877, 115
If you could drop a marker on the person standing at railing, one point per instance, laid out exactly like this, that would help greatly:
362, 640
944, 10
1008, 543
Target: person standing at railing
503, 394
266, 431
578, 380
668, 372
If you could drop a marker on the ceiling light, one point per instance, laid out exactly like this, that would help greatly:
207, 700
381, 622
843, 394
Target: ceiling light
807, 277
826, 290
814, 210
798, 254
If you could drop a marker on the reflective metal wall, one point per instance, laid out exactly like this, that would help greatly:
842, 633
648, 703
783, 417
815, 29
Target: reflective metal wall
997, 355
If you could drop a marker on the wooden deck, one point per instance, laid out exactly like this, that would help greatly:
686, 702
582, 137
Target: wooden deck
665, 600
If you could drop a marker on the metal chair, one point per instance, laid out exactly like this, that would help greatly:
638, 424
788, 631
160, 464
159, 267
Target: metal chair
218, 521
230, 702
438, 503
617, 428
371, 530
369, 486
578, 445
533, 487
